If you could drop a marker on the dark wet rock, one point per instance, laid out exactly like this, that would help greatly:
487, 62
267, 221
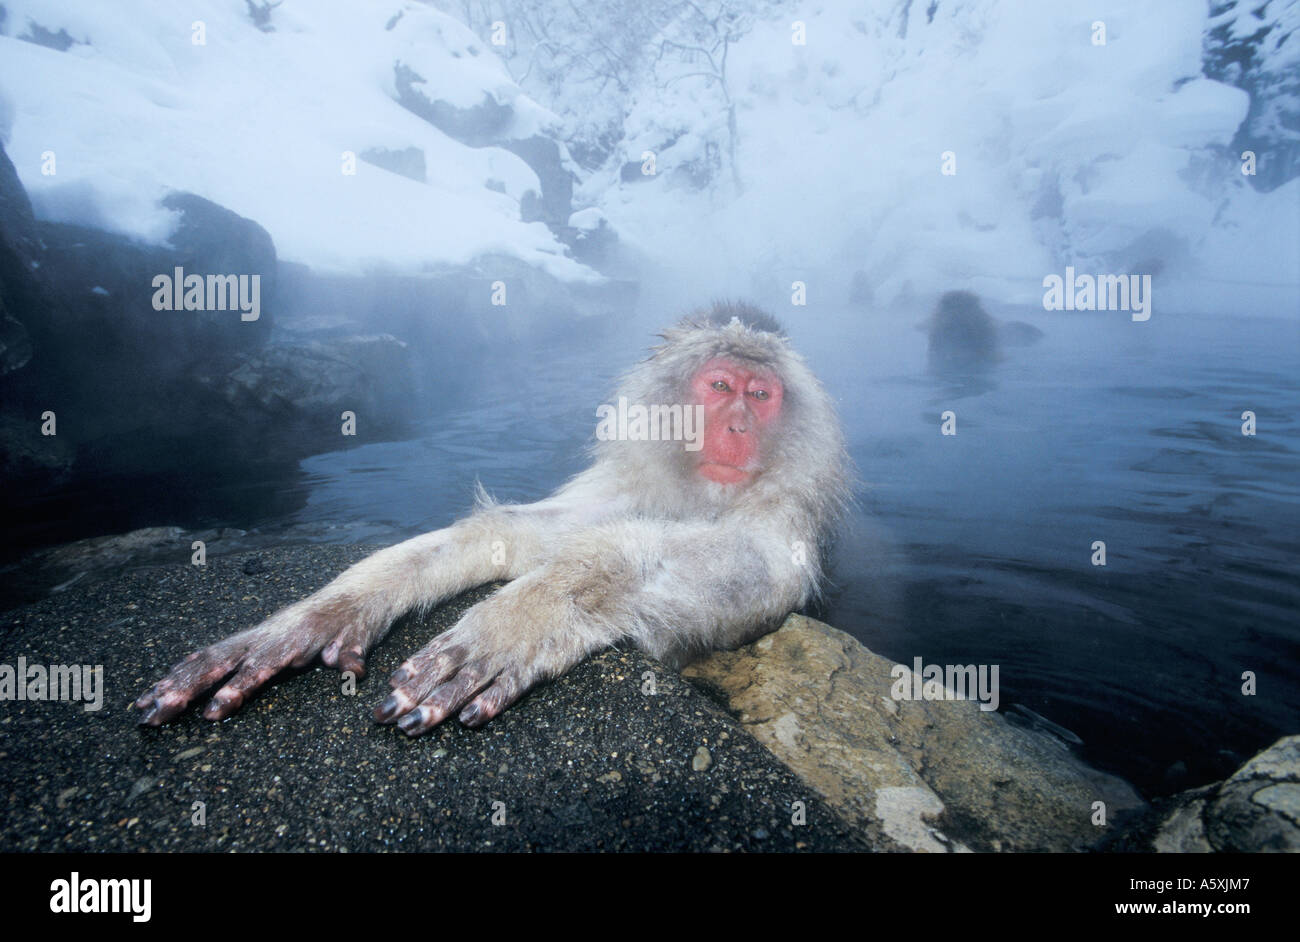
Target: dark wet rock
103, 290
83, 562
15, 342
20, 248
138, 547
261, 409
1255, 810
28, 458
17, 224
117, 374
210, 239
138, 393
589, 762
934, 776
302, 389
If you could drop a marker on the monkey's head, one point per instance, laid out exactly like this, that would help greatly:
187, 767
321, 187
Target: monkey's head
961, 333
741, 401
769, 429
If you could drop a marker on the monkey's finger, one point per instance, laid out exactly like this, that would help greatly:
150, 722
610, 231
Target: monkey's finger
253, 674
504, 691
427, 668
344, 652
352, 661
417, 712
204, 667
171, 695
443, 701
162, 707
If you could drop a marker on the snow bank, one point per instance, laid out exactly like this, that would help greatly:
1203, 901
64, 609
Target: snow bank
260, 122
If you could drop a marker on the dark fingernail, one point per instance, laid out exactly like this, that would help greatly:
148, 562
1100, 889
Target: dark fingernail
411, 721
384, 712
471, 715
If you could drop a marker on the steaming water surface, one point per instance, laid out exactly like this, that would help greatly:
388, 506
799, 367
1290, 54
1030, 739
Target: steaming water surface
977, 548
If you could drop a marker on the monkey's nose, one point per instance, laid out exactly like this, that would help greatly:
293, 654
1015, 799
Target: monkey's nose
737, 429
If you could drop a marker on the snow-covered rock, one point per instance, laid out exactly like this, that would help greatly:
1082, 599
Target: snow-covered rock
280, 124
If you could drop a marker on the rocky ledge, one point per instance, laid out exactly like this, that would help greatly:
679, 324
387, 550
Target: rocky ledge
922, 775
943, 776
1256, 809
620, 754
793, 742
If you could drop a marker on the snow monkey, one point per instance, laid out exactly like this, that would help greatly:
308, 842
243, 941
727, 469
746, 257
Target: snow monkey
676, 546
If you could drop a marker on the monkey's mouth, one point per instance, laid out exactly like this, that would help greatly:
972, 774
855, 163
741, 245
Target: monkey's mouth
724, 473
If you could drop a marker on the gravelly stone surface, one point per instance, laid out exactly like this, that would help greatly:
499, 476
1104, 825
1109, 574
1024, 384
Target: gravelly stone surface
589, 762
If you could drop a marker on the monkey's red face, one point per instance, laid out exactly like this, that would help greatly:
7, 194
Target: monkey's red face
740, 404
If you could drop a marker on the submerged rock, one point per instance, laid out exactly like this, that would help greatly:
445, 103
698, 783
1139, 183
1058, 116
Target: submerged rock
303, 388
919, 775
1257, 809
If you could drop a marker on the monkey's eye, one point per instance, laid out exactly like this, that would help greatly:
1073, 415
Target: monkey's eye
761, 395
720, 386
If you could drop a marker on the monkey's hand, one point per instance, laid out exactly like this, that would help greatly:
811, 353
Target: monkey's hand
291, 637
500, 649
675, 589
345, 619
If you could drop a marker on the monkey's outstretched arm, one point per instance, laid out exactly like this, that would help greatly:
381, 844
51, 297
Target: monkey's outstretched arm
342, 621
675, 589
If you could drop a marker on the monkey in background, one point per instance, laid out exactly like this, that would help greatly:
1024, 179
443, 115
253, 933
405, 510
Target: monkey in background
676, 550
962, 334
964, 337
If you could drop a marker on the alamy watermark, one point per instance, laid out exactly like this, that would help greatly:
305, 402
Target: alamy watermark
655, 423
1098, 293
78, 683
79, 894
181, 292
946, 682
